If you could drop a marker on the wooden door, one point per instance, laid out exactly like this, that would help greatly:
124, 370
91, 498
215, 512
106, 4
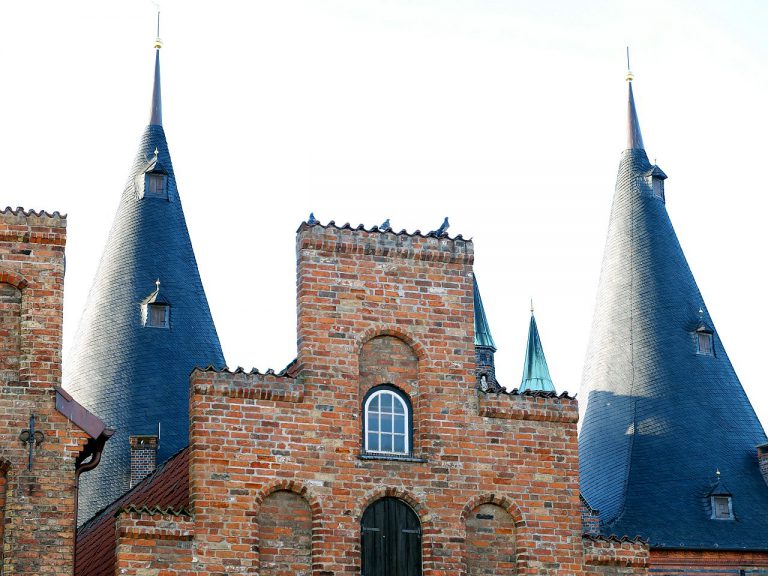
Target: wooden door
391, 539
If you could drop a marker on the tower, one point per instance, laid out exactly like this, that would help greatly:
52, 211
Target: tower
146, 323
667, 426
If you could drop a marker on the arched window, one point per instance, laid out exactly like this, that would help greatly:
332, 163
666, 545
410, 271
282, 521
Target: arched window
387, 422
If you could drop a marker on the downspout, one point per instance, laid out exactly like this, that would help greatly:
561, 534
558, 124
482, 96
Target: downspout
93, 449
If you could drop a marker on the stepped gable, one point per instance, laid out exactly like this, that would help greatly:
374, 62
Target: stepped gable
662, 412
166, 491
134, 375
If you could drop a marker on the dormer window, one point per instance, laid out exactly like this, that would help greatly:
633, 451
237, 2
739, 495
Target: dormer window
704, 343
722, 507
152, 180
156, 310
655, 178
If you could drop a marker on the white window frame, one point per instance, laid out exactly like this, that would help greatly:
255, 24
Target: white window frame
707, 335
406, 430
715, 515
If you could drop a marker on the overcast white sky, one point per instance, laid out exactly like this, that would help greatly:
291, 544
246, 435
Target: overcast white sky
508, 117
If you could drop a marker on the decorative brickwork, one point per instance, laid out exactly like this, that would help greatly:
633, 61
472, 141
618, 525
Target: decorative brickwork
615, 557
379, 308
285, 535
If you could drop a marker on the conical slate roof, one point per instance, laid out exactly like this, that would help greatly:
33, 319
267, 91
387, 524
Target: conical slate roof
134, 375
482, 330
535, 370
662, 414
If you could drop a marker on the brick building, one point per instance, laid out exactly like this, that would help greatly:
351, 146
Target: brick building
46, 438
387, 447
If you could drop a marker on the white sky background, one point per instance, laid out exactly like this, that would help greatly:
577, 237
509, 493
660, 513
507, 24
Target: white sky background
508, 117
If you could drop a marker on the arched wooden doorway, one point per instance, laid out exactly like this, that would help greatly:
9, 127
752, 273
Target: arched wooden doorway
391, 539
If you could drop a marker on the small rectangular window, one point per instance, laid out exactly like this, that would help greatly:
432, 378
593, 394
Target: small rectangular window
705, 346
721, 508
155, 185
158, 316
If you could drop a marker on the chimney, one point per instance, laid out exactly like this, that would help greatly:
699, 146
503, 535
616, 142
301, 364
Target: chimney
762, 460
143, 457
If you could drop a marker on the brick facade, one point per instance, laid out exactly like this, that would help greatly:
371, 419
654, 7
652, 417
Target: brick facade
37, 493
279, 478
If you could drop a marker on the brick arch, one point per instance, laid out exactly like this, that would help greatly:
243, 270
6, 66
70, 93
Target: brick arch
13, 278
395, 331
522, 546
296, 488
425, 517
500, 501
307, 496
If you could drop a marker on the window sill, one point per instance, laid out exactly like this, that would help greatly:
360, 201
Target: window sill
395, 457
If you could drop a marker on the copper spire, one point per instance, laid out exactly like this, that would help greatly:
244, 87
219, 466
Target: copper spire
634, 136
156, 112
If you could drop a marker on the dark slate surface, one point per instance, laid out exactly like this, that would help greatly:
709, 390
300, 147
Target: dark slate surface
131, 375
659, 418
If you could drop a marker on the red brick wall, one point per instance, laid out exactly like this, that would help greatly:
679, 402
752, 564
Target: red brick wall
152, 543
39, 503
363, 296
614, 557
490, 542
708, 563
285, 535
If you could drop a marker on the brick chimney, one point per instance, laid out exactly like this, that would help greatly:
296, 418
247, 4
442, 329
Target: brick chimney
762, 460
143, 457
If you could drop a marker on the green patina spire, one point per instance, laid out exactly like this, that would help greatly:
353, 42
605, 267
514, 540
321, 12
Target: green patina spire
535, 371
482, 331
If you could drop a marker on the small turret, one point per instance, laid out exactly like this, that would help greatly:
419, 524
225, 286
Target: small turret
485, 348
535, 370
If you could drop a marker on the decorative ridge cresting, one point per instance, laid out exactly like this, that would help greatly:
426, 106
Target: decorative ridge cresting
614, 538
535, 393
253, 371
377, 230
154, 510
21, 211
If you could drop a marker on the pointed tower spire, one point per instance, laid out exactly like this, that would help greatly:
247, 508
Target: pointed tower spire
156, 112
482, 330
136, 346
662, 405
535, 370
484, 345
634, 136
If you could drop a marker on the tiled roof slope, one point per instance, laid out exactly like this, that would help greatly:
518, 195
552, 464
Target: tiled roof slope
167, 487
134, 376
660, 419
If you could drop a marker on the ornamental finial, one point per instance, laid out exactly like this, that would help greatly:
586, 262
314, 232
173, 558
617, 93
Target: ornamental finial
158, 41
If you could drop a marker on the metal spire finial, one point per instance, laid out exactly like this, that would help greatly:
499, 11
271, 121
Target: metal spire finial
158, 41
156, 112
629, 76
531, 306
157, 284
